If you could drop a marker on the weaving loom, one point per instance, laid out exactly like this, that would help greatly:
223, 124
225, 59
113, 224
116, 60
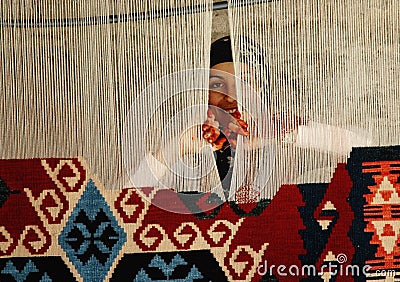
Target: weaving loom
99, 99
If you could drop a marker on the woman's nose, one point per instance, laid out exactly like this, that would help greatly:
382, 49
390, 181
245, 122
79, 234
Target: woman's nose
230, 96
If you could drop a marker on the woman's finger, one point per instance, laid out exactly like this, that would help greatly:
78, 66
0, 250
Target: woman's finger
210, 114
211, 133
242, 123
234, 127
220, 143
237, 114
207, 134
211, 137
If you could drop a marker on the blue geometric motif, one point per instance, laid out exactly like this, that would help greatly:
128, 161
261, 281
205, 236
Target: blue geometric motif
167, 270
45, 278
17, 275
92, 237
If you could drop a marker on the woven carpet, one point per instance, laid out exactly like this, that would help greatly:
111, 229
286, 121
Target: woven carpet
58, 223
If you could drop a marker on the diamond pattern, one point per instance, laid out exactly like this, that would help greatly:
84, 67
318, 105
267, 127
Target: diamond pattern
92, 237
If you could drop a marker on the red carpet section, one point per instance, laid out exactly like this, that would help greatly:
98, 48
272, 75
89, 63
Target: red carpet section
58, 223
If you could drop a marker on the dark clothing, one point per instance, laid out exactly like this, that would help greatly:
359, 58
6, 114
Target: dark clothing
224, 159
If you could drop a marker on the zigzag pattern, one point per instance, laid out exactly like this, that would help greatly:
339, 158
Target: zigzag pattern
58, 223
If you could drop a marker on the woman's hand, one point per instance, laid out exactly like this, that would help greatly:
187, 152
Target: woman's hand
188, 143
230, 126
285, 127
210, 128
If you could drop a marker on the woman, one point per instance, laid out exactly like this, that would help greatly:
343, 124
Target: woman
224, 127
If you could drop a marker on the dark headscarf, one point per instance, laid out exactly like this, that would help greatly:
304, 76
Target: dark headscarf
249, 51
221, 51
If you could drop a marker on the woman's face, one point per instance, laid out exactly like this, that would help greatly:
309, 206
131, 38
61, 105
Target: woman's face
222, 90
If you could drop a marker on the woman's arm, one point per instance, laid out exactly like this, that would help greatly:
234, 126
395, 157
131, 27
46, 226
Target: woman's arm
330, 138
148, 174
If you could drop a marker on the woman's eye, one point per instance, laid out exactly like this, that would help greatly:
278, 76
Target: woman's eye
216, 85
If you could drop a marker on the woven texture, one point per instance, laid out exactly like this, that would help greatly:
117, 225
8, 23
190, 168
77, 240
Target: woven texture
58, 223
